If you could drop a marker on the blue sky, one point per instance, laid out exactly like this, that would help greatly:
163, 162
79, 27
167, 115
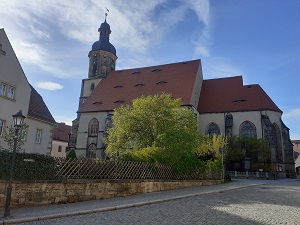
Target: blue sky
259, 39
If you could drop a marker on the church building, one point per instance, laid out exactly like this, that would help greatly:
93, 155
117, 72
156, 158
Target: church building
223, 106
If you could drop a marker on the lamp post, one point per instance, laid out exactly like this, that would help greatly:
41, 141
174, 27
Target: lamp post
221, 150
18, 119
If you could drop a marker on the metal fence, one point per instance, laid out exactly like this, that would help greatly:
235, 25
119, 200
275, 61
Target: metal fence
109, 169
256, 175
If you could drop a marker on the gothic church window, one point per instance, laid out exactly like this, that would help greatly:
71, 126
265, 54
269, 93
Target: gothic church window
91, 151
93, 127
247, 129
108, 122
212, 129
228, 124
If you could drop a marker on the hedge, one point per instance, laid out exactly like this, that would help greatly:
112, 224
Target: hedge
28, 166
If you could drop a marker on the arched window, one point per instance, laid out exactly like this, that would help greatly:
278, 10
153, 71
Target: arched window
247, 129
93, 127
108, 122
91, 151
212, 129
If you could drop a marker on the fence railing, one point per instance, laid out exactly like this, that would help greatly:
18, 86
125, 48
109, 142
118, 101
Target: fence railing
108, 169
256, 175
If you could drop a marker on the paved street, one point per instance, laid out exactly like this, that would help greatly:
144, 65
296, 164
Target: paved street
269, 202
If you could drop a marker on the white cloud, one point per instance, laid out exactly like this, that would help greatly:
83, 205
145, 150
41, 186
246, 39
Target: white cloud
220, 67
49, 85
294, 136
292, 119
202, 39
64, 119
41, 30
292, 114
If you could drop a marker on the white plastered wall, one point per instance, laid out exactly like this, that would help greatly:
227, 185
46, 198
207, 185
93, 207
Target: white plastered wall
238, 119
82, 133
55, 146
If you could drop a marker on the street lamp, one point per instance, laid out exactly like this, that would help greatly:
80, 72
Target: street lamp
221, 150
18, 119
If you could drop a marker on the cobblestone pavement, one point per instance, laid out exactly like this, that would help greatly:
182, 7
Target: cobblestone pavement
272, 203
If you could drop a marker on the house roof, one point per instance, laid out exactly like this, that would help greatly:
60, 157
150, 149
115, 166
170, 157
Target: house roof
230, 95
61, 132
122, 86
38, 109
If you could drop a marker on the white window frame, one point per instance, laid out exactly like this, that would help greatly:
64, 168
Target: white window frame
2, 125
38, 136
24, 131
3, 88
7, 90
11, 92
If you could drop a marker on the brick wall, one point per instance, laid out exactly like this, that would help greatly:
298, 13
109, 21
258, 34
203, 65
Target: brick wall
51, 192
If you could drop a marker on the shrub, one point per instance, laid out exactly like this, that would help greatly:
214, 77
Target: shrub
28, 166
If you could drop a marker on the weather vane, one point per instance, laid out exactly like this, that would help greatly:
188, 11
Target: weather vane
106, 12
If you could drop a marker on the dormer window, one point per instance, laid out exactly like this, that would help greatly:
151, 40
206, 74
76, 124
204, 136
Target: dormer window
156, 70
118, 86
119, 101
162, 82
97, 103
239, 100
136, 72
139, 85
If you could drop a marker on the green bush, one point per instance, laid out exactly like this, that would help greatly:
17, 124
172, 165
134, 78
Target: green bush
28, 166
72, 155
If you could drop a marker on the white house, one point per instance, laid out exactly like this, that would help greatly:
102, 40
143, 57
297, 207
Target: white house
17, 94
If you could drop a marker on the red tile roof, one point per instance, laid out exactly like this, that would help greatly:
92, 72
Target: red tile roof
61, 132
38, 109
229, 95
121, 87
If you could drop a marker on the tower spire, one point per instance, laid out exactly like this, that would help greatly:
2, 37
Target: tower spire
106, 13
103, 54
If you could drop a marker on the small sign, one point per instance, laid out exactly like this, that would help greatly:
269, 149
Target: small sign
260, 170
28, 160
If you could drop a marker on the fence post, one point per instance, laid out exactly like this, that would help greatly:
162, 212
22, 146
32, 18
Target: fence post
235, 174
257, 175
267, 175
247, 175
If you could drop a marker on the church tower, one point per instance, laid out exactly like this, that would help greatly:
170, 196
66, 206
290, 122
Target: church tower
102, 60
103, 54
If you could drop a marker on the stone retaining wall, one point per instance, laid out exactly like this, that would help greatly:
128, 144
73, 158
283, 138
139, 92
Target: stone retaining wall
51, 192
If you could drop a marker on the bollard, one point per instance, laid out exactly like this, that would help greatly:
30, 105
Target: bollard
257, 175
267, 175
235, 174
247, 175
